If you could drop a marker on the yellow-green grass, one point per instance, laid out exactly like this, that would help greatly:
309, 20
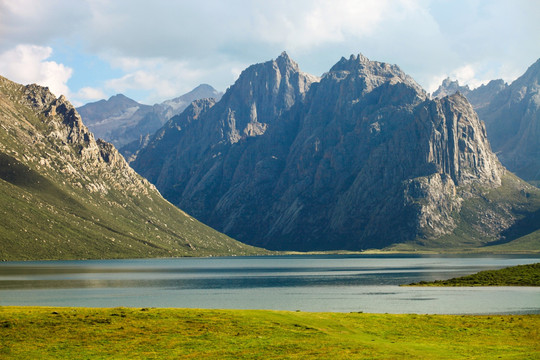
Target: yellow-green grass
130, 333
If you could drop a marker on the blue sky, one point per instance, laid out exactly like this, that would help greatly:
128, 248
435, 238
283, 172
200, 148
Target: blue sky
156, 50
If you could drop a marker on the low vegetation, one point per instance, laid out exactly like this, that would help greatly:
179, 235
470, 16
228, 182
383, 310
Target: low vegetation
521, 275
121, 333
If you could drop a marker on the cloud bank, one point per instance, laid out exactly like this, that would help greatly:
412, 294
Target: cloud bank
163, 48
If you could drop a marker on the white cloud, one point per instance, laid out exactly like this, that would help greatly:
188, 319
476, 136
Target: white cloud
89, 93
27, 64
160, 78
306, 24
168, 47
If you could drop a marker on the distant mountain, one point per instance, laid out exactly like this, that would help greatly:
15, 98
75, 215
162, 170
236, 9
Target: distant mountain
513, 122
450, 87
64, 195
360, 158
169, 108
483, 95
478, 97
121, 120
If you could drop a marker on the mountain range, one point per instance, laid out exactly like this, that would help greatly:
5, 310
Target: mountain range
361, 157
65, 195
126, 123
356, 159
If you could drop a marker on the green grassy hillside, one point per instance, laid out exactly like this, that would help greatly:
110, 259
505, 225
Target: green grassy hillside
64, 195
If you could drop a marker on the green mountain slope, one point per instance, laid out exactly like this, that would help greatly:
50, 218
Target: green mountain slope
64, 195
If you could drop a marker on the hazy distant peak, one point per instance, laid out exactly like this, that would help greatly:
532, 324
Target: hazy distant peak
450, 87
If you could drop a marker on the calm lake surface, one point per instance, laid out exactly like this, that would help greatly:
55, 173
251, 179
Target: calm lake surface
341, 283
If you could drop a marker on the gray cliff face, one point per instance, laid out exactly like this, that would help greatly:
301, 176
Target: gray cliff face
513, 123
460, 157
362, 159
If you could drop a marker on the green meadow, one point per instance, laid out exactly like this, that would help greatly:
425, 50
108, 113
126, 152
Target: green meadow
134, 333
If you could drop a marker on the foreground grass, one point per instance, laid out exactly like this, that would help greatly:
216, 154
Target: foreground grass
521, 275
121, 333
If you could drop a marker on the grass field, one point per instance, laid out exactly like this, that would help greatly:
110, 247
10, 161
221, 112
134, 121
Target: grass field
131, 333
520, 275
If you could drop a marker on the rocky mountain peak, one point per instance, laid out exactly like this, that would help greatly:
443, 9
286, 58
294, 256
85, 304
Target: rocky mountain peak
284, 61
261, 93
372, 73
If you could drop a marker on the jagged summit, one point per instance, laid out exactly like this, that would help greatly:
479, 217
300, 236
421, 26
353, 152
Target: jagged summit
450, 87
374, 73
259, 95
354, 62
285, 58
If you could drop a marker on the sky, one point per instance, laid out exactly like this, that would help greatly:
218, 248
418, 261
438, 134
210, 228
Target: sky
156, 50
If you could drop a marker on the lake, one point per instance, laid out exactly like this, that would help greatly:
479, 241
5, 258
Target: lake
339, 283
